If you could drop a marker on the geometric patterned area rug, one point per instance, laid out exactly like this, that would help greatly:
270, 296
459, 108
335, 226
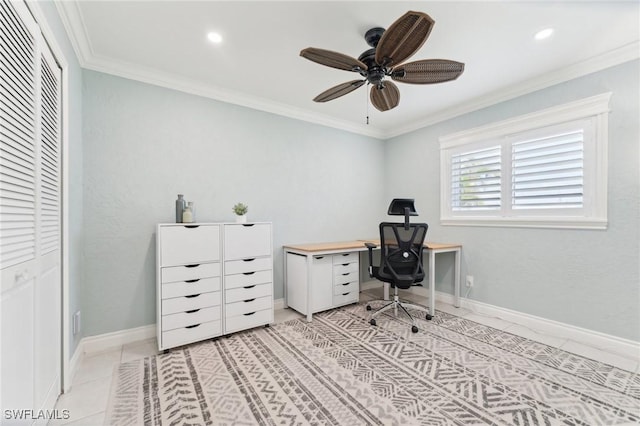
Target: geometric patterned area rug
339, 370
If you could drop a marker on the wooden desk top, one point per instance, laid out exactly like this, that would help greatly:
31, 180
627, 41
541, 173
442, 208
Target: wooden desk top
341, 245
429, 245
358, 245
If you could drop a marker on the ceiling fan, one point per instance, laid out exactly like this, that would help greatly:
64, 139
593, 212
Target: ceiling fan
385, 59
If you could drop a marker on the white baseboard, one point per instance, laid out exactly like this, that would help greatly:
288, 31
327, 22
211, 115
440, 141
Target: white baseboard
74, 363
108, 341
613, 344
105, 342
596, 339
278, 304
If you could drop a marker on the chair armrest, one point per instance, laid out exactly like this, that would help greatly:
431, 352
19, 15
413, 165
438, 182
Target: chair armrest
370, 247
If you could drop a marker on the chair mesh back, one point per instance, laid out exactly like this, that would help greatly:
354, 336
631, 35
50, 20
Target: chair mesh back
401, 252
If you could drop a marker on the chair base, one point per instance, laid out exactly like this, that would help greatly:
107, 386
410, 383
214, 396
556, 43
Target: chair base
395, 304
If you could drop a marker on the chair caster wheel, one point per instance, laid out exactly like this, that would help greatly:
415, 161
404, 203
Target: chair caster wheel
372, 322
368, 308
414, 329
429, 316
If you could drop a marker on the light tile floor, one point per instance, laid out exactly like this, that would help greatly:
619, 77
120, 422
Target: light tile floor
87, 399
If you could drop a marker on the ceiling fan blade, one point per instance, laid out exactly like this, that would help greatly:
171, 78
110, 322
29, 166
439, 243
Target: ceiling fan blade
385, 98
339, 90
428, 71
333, 59
403, 38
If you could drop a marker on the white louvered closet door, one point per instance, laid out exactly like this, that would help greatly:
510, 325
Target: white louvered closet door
30, 219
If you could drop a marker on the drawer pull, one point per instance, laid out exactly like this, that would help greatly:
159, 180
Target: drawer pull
192, 326
249, 273
346, 254
319, 257
344, 294
250, 313
192, 296
346, 273
249, 260
248, 224
195, 265
193, 311
192, 281
345, 264
250, 286
191, 226
249, 300
346, 283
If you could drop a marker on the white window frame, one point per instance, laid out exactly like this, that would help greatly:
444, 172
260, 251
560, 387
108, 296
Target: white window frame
589, 113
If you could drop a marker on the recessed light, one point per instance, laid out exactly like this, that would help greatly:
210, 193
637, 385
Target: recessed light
542, 34
214, 38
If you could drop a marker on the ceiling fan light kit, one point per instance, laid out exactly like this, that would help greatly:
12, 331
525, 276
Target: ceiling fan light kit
384, 61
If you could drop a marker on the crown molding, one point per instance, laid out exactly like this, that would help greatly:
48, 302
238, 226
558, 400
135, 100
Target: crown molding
71, 17
609, 59
73, 23
170, 81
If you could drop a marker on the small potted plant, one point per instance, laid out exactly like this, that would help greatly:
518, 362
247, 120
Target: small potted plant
240, 210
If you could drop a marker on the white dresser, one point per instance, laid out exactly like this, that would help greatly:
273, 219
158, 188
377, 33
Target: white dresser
212, 279
248, 276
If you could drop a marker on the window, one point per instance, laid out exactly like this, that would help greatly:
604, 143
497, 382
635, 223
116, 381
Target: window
546, 169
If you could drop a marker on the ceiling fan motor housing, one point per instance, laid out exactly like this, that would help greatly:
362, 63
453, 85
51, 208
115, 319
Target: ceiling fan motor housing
375, 73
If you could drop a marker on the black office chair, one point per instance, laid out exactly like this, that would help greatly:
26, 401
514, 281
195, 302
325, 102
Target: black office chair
401, 246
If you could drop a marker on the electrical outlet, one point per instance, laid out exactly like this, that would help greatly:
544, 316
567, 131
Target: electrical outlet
76, 323
469, 280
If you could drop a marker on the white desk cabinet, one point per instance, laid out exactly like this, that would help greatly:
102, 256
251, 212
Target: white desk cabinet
212, 279
320, 282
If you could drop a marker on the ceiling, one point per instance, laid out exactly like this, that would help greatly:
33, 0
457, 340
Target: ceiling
258, 63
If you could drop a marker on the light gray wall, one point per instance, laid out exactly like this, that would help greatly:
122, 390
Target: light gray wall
145, 144
75, 164
586, 278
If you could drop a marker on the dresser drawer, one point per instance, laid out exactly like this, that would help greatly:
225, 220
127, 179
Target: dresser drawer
346, 298
242, 322
187, 288
346, 288
253, 292
353, 256
248, 306
242, 241
190, 272
189, 303
247, 279
248, 265
343, 268
195, 316
182, 336
345, 277
189, 244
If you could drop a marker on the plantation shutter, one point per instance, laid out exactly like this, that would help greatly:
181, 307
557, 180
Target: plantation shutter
17, 139
548, 172
475, 180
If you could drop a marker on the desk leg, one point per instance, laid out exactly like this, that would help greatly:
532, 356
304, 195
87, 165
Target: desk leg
432, 282
284, 280
456, 282
309, 285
